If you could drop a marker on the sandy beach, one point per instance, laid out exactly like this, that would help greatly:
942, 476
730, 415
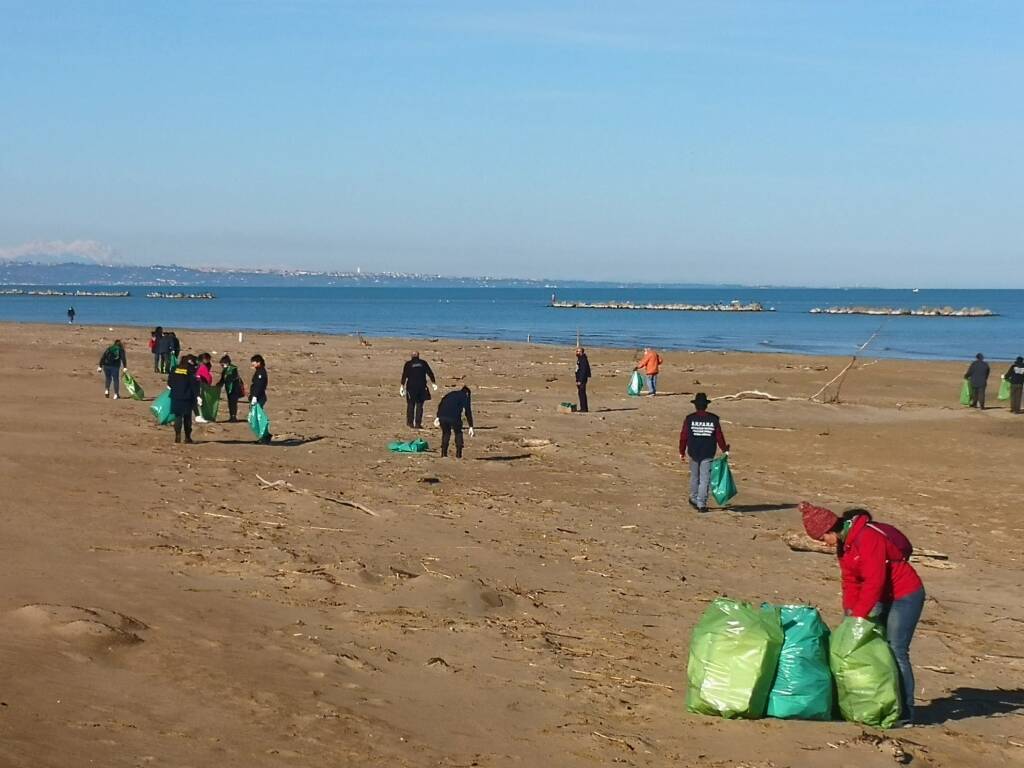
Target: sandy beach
531, 605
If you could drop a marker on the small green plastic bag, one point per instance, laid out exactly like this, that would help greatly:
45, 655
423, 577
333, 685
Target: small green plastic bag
802, 688
258, 421
211, 402
161, 408
1004, 389
733, 654
723, 487
419, 445
172, 362
636, 384
965, 393
867, 681
132, 387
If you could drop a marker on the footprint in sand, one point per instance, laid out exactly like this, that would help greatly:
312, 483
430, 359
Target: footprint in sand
93, 628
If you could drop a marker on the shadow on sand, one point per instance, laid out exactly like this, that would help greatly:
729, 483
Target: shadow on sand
971, 702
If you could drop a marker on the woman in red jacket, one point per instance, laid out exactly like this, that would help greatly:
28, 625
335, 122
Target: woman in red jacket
878, 582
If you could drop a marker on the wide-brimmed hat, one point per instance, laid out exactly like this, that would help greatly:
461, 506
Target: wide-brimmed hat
817, 520
700, 399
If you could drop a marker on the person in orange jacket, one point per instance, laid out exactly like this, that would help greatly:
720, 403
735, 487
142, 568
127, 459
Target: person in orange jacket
650, 364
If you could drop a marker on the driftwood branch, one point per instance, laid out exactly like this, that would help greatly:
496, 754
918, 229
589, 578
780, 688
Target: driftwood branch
801, 542
284, 484
841, 377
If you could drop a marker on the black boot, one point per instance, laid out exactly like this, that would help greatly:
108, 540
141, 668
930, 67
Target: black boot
188, 437
177, 436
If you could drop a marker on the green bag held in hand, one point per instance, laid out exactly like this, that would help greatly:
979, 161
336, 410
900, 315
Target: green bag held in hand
161, 408
172, 362
802, 688
419, 445
723, 487
258, 421
132, 387
965, 393
734, 651
1004, 390
211, 402
636, 384
867, 681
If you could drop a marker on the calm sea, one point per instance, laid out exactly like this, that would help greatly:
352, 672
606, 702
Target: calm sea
520, 313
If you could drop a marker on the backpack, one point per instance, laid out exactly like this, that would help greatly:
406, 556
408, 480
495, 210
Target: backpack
895, 536
112, 356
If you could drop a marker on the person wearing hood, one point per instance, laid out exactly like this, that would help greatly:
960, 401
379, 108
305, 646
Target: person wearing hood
413, 388
977, 377
449, 418
184, 387
1015, 375
699, 439
879, 583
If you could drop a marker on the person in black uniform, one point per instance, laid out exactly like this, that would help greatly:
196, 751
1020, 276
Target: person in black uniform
232, 385
414, 389
258, 388
184, 394
582, 374
1015, 375
449, 418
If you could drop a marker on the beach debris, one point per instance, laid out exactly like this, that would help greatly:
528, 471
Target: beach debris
798, 541
342, 502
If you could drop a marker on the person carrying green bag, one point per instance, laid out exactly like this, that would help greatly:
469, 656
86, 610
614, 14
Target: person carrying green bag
258, 420
977, 378
698, 439
880, 584
1014, 379
233, 386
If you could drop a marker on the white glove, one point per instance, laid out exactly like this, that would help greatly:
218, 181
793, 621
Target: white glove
401, 391
199, 401
99, 369
253, 401
471, 432
437, 422
434, 385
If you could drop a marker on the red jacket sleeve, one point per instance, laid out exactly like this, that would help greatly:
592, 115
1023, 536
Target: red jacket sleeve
871, 572
683, 434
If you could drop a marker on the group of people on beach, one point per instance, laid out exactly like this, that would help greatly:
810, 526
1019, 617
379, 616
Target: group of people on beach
977, 378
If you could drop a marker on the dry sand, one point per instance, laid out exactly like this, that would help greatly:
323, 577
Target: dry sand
526, 606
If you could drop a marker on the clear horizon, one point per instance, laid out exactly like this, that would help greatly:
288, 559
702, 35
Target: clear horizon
792, 144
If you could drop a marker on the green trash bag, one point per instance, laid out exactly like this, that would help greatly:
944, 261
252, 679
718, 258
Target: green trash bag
867, 681
172, 362
1004, 390
636, 384
723, 487
161, 408
419, 445
733, 654
965, 393
802, 689
258, 421
132, 387
211, 402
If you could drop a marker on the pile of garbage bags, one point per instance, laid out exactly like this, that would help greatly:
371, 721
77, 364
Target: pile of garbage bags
782, 661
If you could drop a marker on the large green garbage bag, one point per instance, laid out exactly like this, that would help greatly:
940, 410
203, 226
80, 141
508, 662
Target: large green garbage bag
1004, 389
965, 393
802, 688
172, 362
723, 487
733, 654
258, 421
867, 681
132, 387
419, 445
161, 408
636, 384
210, 402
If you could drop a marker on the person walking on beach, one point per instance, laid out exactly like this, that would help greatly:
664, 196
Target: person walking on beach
163, 351
154, 347
582, 375
413, 388
173, 350
699, 438
977, 377
184, 387
71, 315
449, 418
232, 385
111, 362
258, 388
650, 364
205, 378
878, 580
1015, 375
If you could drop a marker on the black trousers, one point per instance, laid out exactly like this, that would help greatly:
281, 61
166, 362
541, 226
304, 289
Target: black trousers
447, 427
581, 386
413, 411
232, 407
183, 420
1015, 396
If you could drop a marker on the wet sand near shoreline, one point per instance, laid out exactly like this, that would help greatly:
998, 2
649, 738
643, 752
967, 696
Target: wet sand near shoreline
223, 604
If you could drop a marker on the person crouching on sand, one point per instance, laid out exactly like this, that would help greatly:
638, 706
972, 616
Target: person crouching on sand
449, 418
698, 439
258, 388
232, 385
184, 388
878, 581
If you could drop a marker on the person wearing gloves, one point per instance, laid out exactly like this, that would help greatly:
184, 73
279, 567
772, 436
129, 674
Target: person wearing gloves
582, 376
878, 581
414, 389
977, 377
650, 364
204, 376
1015, 375
258, 387
449, 418
699, 438
184, 388
111, 362
232, 385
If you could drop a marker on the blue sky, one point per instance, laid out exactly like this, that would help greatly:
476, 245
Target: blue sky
808, 143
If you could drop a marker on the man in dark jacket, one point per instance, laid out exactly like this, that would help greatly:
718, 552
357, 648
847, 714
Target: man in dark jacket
1015, 375
184, 395
977, 377
162, 350
449, 418
582, 374
414, 388
698, 439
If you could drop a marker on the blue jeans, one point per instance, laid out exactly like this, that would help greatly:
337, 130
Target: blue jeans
900, 620
112, 376
652, 383
700, 480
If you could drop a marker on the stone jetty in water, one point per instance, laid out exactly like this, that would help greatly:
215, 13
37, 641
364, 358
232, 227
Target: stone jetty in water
900, 312
732, 306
